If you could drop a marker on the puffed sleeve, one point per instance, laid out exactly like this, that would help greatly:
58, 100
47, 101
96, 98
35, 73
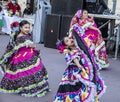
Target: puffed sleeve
71, 55
87, 25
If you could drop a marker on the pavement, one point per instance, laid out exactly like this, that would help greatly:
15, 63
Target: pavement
55, 65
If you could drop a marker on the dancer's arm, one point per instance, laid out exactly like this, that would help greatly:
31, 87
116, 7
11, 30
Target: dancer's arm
94, 28
32, 45
77, 63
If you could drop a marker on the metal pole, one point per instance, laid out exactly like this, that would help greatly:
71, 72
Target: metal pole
117, 42
114, 6
104, 24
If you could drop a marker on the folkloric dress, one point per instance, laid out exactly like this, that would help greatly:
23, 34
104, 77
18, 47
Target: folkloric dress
91, 38
24, 72
79, 85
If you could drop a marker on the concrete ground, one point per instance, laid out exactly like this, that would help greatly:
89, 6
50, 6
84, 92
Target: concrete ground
55, 65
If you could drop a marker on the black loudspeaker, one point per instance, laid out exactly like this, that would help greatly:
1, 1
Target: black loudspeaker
65, 25
104, 30
66, 7
52, 27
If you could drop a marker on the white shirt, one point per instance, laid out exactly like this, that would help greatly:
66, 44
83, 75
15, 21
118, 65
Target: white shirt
1, 14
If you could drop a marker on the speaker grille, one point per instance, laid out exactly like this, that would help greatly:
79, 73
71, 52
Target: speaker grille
52, 30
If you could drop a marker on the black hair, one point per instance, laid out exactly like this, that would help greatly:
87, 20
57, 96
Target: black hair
87, 11
82, 13
63, 42
0, 8
84, 10
28, 4
21, 24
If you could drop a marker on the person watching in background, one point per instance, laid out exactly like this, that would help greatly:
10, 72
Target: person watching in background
27, 10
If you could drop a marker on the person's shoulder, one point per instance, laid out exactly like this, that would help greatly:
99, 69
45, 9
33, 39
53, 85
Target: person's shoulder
75, 51
90, 19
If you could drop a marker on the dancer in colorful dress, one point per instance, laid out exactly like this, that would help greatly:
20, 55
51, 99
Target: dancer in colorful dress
87, 30
24, 72
81, 81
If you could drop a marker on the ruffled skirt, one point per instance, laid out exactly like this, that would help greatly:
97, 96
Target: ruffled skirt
75, 86
25, 74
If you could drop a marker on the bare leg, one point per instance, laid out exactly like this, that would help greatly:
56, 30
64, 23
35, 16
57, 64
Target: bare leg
1, 31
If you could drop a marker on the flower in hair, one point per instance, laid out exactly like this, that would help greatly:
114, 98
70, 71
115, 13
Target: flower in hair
14, 24
79, 13
61, 47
